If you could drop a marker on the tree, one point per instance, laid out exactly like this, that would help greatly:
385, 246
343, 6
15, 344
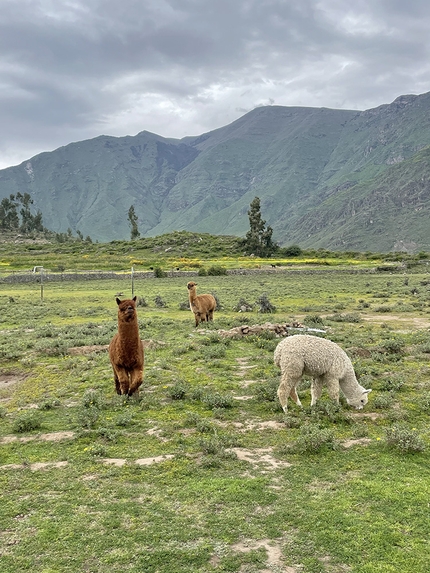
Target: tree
132, 219
258, 240
9, 220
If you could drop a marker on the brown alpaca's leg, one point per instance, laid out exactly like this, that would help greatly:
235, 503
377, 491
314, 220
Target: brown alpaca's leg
136, 379
123, 380
117, 385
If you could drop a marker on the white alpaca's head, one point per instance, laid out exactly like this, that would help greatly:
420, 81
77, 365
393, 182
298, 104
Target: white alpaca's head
359, 401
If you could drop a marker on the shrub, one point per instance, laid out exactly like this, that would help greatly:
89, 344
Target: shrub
264, 304
159, 273
404, 440
347, 317
124, 419
330, 409
88, 416
216, 400
392, 384
383, 401
243, 306
291, 251
292, 421
213, 352
97, 450
313, 439
179, 390
267, 391
393, 346
159, 302
93, 398
49, 404
313, 320
216, 271
360, 430
27, 421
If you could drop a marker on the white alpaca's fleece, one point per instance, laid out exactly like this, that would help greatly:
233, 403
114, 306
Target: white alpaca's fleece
322, 359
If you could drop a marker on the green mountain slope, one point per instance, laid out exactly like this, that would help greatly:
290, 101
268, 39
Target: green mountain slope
326, 178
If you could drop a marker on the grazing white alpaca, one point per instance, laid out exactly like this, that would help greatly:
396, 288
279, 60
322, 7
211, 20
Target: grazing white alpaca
322, 359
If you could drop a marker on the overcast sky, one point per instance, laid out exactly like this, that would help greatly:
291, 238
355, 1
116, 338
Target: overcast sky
75, 69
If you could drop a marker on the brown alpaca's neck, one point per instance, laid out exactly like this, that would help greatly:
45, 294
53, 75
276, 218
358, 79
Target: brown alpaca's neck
128, 330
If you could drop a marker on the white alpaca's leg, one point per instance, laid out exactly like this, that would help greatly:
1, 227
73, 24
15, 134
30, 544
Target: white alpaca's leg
316, 390
286, 389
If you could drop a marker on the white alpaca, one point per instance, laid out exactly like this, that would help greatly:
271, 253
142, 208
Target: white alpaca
325, 361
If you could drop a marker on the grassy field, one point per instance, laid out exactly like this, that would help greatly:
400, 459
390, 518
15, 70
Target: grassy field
204, 472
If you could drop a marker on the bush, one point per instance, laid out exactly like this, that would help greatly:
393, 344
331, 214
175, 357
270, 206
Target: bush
179, 390
216, 271
216, 400
243, 306
264, 304
383, 402
159, 302
159, 273
88, 416
313, 320
347, 317
404, 440
313, 439
27, 421
393, 346
93, 399
49, 404
267, 391
330, 409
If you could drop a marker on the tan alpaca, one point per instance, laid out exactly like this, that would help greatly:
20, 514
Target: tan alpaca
126, 350
202, 305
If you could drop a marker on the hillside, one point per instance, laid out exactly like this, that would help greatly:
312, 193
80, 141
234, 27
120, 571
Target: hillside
336, 179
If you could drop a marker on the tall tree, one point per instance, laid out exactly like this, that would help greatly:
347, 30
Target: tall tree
132, 220
9, 219
258, 240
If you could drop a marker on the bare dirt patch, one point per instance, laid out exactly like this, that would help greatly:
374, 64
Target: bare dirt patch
83, 350
154, 460
36, 466
273, 551
253, 425
260, 458
413, 322
10, 379
52, 437
356, 442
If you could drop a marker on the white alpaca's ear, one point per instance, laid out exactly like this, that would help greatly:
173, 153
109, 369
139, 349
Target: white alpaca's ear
367, 391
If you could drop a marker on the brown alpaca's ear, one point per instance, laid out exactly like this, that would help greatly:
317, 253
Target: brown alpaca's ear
135, 298
118, 301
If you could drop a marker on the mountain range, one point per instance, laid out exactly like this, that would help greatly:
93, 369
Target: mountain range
326, 178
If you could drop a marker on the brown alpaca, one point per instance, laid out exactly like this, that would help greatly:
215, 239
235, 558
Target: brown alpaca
202, 305
126, 350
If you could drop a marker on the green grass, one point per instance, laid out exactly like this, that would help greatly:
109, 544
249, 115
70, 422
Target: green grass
321, 506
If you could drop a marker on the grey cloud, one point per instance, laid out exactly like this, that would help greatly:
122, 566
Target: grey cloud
177, 67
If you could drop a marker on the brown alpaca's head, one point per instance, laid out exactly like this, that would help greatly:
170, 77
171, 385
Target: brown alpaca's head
126, 309
191, 285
